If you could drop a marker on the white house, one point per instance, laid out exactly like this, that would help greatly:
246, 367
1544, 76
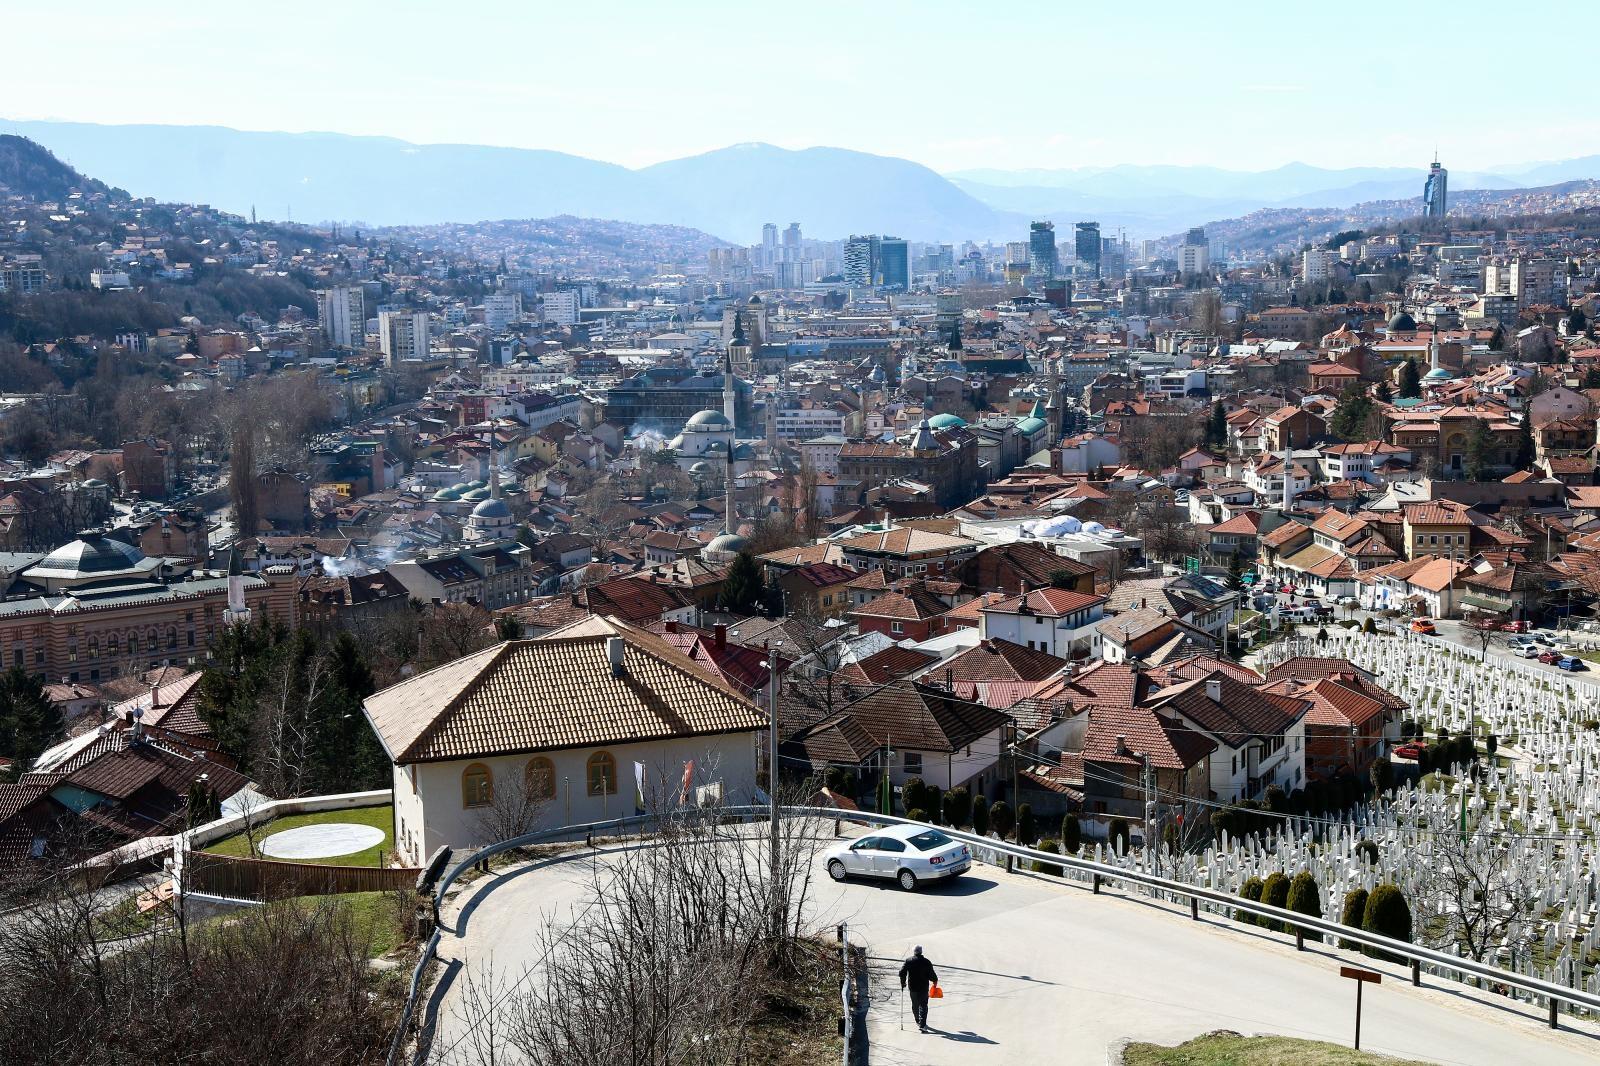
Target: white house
1260, 736
570, 725
1058, 621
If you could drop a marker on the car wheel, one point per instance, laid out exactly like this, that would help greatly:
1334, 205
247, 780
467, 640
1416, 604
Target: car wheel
836, 870
908, 880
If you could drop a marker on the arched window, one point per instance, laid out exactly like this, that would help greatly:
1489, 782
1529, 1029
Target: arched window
602, 774
539, 779
477, 786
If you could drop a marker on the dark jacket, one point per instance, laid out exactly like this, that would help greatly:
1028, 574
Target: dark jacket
918, 971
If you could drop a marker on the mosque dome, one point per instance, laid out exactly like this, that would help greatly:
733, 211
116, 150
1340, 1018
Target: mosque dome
708, 421
491, 508
946, 421
446, 496
700, 468
475, 494
1402, 323
728, 544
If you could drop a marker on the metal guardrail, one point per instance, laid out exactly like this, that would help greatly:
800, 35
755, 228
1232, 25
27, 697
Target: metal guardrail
1100, 873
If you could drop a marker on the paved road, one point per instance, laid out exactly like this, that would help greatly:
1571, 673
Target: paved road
1041, 971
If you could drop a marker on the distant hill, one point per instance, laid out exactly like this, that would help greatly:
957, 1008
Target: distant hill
29, 169
831, 192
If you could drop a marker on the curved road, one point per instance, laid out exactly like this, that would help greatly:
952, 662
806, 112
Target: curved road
1040, 970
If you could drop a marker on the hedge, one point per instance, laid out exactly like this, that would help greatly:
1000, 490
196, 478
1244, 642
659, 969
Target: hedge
1387, 914
1305, 898
1355, 907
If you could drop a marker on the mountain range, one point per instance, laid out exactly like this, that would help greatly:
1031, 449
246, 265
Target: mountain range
730, 192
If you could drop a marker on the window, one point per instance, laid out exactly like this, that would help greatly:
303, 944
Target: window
477, 786
913, 762
1233, 765
896, 627
539, 779
602, 774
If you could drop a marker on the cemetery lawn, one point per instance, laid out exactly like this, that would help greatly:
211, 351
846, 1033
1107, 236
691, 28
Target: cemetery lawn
1230, 1049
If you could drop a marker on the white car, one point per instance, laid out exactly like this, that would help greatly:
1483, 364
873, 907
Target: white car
909, 854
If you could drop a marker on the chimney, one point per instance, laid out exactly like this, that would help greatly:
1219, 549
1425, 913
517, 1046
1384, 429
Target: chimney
615, 649
1122, 744
721, 633
950, 678
1214, 689
575, 602
672, 627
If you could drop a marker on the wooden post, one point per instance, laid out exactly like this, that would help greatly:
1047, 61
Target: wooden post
1416, 972
1097, 884
1194, 908
1360, 977
1299, 938
1555, 1007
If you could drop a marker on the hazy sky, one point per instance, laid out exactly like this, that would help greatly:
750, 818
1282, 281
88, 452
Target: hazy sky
1012, 84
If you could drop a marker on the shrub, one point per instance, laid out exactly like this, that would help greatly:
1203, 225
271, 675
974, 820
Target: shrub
1250, 890
1491, 744
1275, 893
1305, 898
1368, 851
917, 814
1027, 831
1277, 800
1382, 775
933, 800
1002, 819
1387, 914
980, 815
1118, 835
1368, 627
839, 780
958, 808
1355, 907
1053, 869
1071, 834
911, 795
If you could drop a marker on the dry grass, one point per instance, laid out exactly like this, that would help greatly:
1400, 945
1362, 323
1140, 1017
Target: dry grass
1230, 1049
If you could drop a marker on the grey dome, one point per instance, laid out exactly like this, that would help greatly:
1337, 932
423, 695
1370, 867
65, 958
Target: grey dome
1402, 323
728, 544
92, 554
701, 467
491, 508
709, 420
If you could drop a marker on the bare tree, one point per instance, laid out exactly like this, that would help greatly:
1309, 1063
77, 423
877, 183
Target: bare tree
1484, 628
1475, 894
515, 806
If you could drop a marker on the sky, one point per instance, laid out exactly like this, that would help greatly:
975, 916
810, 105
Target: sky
1020, 84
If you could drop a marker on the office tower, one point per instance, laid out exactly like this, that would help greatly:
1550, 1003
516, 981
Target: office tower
893, 269
1087, 246
1113, 257
1434, 191
342, 314
1194, 257
500, 309
769, 244
1016, 253
791, 242
403, 335
1315, 263
860, 261
1042, 258
561, 308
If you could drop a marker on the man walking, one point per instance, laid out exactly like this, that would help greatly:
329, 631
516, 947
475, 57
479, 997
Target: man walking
916, 975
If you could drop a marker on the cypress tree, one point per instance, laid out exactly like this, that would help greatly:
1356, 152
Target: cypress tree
1305, 898
1355, 907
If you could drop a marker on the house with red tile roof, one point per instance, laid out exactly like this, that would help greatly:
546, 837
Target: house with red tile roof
1058, 621
909, 612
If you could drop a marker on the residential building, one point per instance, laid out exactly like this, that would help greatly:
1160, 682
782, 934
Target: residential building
1061, 622
342, 316
403, 335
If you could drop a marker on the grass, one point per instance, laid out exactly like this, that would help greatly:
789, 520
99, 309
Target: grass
378, 817
1231, 1049
796, 1020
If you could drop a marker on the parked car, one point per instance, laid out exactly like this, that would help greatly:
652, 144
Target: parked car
1412, 750
1518, 625
908, 854
1531, 651
1422, 625
1571, 662
1345, 601
1516, 644
1548, 655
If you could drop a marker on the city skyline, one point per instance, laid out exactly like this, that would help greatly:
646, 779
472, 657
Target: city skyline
662, 102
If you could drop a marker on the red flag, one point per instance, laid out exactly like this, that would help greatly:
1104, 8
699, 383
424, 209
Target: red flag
688, 776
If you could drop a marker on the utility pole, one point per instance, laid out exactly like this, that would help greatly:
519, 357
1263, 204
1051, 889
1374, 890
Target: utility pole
779, 895
1151, 845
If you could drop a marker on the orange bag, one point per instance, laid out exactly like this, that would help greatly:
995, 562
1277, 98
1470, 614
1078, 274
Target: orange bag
935, 992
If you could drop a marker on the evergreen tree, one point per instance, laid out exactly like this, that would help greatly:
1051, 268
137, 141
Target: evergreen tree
1002, 819
741, 590
1383, 393
1275, 893
1349, 419
1217, 426
1410, 380
980, 815
1355, 906
1526, 450
1387, 914
29, 722
1027, 830
1250, 890
1479, 441
1071, 834
1305, 898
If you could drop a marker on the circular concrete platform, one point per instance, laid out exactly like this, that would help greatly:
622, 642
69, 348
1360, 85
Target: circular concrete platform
321, 841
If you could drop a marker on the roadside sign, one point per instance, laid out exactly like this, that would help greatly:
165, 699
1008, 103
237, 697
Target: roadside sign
1360, 977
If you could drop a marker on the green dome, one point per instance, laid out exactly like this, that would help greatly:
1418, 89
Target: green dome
946, 421
1031, 425
476, 494
446, 496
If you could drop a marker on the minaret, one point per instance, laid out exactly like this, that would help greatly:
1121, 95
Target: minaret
1433, 347
730, 518
237, 613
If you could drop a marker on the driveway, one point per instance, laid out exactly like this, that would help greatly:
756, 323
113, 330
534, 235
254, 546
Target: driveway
1039, 970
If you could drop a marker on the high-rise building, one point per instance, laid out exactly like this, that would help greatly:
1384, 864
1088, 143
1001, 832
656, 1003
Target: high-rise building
1315, 263
1434, 191
500, 309
1088, 247
769, 244
561, 308
860, 261
1043, 261
791, 242
403, 335
1194, 257
893, 269
342, 314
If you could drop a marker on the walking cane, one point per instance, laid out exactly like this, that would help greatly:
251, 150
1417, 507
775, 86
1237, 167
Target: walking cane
902, 1008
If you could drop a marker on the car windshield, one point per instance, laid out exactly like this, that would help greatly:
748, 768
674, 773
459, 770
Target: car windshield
927, 841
